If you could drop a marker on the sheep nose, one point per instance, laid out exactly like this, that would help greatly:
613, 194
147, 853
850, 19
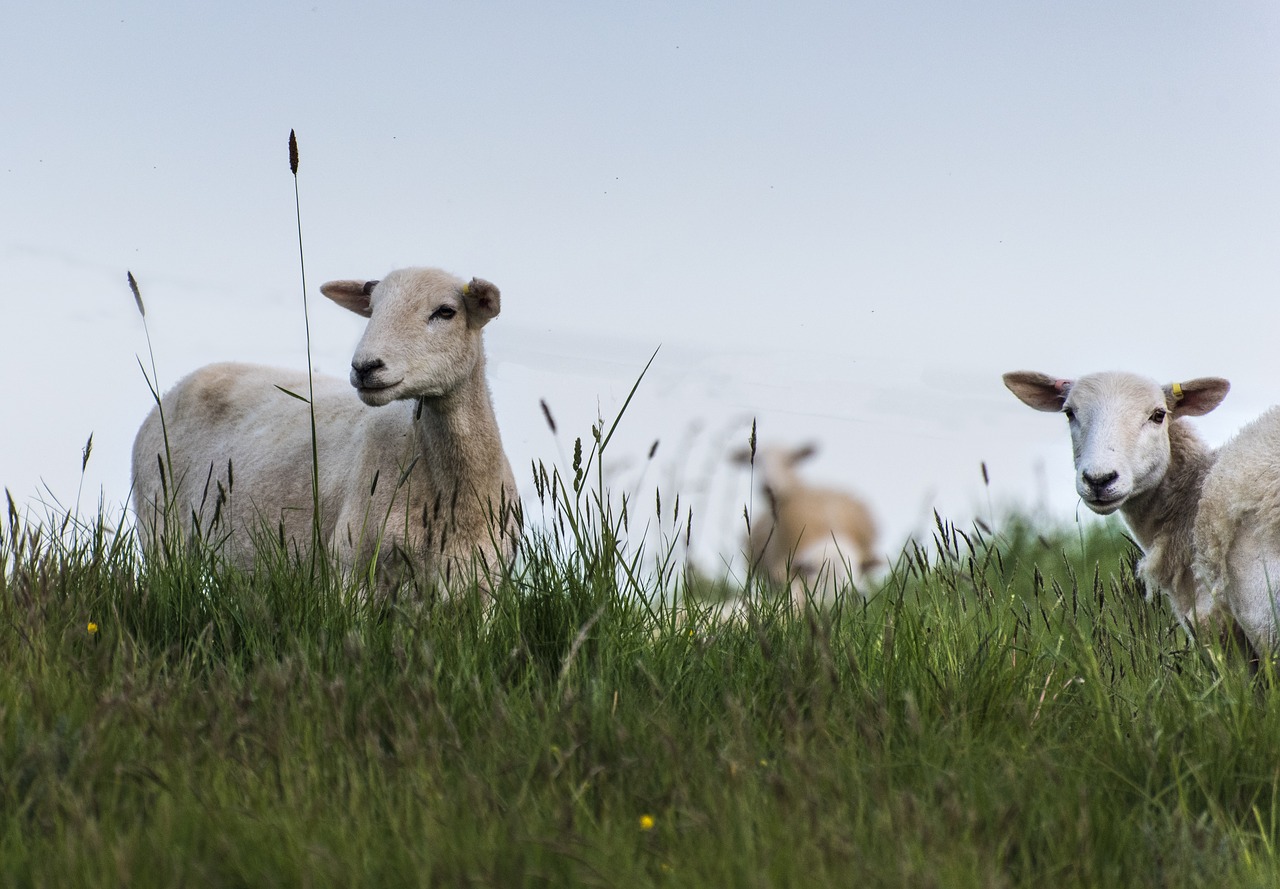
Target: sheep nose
360, 370
1101, 480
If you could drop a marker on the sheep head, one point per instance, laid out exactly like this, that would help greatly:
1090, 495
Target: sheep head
1119, 426
424, 334
776, 465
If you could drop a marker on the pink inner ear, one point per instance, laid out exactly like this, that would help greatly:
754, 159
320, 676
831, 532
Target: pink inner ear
1059, 385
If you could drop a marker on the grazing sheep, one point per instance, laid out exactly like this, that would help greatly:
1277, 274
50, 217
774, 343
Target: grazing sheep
810, 537
411, 471
1208, 521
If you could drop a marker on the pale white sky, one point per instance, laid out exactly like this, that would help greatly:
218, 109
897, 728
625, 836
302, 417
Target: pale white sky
844, 219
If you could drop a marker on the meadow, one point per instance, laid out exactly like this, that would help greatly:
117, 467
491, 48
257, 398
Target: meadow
1004, 709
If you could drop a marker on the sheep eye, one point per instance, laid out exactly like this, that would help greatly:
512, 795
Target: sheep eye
1158, 415
445, 312
1071, 415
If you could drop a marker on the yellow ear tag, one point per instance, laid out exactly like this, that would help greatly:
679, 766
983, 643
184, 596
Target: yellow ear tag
1177, 391
466, 291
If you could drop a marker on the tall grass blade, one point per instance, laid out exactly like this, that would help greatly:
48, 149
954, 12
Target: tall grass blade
316, 542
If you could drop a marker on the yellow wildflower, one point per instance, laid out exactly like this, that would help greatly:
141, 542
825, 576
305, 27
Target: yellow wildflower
646, 822
93, 628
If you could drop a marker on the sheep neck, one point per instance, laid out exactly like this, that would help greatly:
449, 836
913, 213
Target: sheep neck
466, 499
1163, 519
458, 440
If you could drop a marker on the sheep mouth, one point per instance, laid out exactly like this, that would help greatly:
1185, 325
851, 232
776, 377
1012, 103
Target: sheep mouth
373, 392
1104, 505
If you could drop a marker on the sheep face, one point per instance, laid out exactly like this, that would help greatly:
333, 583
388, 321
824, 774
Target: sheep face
1119, 426
1119, 436
424, 333
776, 465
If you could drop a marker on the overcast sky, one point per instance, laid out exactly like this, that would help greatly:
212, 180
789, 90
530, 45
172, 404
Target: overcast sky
845, 220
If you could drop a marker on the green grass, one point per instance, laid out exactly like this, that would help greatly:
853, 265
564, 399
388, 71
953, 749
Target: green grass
1006, 710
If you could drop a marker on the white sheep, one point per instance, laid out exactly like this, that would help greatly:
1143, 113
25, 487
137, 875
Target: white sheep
1208, 521
411, 471
811, 538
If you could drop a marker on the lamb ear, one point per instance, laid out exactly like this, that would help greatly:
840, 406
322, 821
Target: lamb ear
804, 452
483, 302
1197, 397
1037, 390
353, 295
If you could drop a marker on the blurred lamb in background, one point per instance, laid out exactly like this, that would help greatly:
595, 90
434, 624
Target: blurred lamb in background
816, 540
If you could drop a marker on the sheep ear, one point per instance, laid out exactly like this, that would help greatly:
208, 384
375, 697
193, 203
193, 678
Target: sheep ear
804, 452
1196, 397
483, 302
1037, 390
353, 295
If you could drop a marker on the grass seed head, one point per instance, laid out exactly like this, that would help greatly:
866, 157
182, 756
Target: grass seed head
137, 295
